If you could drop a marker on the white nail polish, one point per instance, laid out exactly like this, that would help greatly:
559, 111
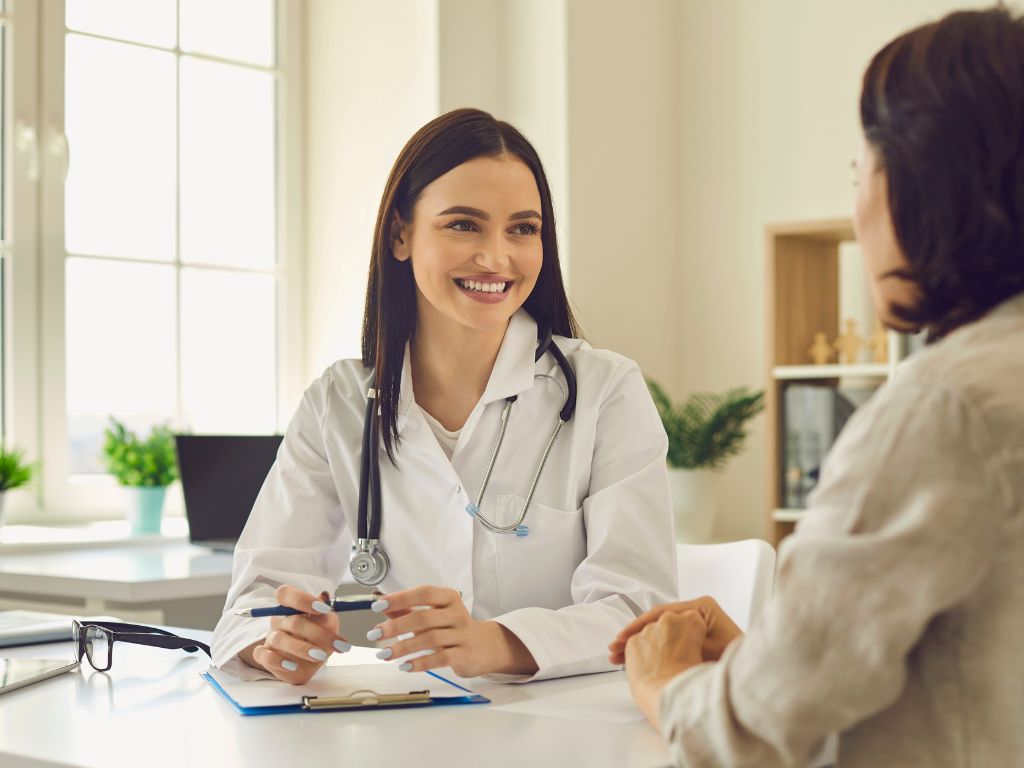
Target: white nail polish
321, 607
379, 605
317, 653
374, 634
405, 667
290, 665
342, 647
384, 653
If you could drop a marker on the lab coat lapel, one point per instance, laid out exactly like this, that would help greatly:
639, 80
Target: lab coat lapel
512, 372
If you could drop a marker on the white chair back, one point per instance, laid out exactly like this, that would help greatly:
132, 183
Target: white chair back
738, 575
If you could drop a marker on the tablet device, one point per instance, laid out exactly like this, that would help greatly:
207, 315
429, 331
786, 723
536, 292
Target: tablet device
17, 673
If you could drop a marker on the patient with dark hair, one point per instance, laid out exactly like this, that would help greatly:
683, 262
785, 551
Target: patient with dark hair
899, 602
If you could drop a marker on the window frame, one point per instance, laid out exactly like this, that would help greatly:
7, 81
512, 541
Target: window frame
38, 404
22, 171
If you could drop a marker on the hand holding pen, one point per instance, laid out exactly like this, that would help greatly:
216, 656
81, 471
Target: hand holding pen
299, 643
338, 605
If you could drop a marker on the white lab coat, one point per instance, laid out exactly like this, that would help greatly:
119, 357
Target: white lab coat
601, 545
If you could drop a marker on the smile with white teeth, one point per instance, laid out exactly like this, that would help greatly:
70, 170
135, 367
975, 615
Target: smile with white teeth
475, 285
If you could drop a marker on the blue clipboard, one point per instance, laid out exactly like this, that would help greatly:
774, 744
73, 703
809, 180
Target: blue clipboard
349, 704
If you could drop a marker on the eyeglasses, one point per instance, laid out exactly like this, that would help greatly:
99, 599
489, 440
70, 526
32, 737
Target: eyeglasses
95, 640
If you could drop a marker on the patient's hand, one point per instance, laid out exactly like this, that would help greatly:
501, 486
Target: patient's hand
720, 628
660, 651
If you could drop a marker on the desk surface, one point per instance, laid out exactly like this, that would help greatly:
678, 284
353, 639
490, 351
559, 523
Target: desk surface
153, 709
162, 571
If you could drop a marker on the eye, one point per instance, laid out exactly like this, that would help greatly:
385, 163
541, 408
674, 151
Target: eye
462, 225
526, 229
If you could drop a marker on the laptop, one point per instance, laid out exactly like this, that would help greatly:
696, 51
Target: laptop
221, 475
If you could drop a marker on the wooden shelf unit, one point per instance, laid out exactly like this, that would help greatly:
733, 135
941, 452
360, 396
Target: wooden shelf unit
802, 277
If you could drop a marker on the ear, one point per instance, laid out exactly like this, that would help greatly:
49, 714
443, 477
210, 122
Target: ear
401, 237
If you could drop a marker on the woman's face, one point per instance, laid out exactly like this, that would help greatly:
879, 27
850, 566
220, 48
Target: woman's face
474, 242
872, 221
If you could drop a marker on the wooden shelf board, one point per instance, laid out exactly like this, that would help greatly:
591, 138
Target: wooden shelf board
788, 515
867, 370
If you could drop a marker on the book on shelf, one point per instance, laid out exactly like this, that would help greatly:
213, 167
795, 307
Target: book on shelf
812, 417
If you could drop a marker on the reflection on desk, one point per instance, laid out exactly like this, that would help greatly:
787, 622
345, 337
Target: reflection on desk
153, 706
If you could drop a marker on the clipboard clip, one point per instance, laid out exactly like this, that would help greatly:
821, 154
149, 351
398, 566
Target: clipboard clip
365, 698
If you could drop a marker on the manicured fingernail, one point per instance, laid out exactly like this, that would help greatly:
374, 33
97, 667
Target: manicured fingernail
321, 607
375, 634
384, 653
342, 647
317, 653
290, 665
379, 605
405, 666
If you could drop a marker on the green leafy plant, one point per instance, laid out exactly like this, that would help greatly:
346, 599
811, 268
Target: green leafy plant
708, 429
135, 462
14, 471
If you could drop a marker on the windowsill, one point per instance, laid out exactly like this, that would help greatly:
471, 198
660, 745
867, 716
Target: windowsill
25, 539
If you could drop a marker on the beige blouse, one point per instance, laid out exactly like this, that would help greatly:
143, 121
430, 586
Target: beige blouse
898, 614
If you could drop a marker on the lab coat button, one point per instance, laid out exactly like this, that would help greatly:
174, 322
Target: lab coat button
457, 489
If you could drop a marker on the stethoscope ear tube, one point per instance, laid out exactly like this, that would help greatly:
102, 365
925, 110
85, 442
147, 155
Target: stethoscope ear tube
570, 381
365, 464
375, 521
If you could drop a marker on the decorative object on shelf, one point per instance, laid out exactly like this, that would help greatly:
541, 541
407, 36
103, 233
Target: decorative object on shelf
703, 434
849, 344
879, 343
821, 350
145, 468
15, 472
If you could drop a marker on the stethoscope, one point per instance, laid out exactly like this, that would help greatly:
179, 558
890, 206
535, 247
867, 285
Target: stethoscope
369, 564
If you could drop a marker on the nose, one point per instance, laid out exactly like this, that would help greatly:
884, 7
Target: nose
493, 255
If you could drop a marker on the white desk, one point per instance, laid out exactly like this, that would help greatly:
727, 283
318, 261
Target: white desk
130, 581
152, 709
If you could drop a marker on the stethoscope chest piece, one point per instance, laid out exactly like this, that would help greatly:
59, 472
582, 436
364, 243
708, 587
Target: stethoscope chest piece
369, 564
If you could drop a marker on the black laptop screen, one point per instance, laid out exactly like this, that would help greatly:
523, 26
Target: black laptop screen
221, 475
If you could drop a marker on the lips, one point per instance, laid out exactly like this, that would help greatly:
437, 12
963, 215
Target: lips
487, 290
489, 285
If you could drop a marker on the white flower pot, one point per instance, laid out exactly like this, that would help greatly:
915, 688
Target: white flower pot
3, 495
694, 503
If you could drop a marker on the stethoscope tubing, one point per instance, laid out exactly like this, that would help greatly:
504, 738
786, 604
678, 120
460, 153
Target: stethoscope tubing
368, 549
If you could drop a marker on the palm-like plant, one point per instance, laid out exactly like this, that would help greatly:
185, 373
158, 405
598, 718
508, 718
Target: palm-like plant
14, 471
708, 429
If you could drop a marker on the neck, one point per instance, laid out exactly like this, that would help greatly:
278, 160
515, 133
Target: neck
451, 362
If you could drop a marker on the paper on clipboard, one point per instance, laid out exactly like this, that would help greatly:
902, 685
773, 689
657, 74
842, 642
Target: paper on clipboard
333, 681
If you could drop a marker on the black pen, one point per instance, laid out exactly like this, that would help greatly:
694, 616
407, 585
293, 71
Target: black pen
339, 605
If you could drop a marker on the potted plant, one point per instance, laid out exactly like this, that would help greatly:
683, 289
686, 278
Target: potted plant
703, 434
14, 473
145, 468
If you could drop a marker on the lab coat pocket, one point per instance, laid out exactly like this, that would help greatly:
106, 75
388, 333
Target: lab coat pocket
537, 569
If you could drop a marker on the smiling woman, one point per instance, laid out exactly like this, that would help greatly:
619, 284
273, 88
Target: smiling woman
466, 317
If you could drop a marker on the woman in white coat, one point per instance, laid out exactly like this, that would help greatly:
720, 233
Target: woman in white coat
464, 276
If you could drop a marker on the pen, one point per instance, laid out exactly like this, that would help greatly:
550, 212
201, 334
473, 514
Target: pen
339, 605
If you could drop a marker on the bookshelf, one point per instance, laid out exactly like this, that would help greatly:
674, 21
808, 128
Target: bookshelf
815, 280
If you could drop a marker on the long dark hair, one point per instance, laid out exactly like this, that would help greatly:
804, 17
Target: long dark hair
389, 320
943, 107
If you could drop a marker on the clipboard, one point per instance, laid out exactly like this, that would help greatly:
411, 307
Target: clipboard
418, 689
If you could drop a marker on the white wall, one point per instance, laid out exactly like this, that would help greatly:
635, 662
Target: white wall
622, 145
371, 82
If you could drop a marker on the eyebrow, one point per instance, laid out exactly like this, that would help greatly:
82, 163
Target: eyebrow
484, 215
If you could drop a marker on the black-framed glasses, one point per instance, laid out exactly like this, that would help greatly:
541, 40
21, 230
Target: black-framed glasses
95, 640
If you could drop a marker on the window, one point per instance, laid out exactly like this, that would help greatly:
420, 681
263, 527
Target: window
165, 152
